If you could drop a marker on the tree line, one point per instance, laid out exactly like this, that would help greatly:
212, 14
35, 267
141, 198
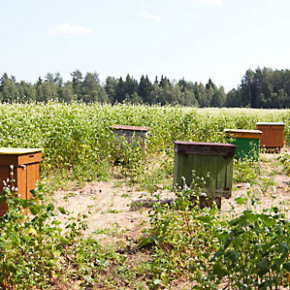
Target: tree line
262, 88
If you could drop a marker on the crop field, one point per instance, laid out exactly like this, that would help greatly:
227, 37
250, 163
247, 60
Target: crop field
102, 220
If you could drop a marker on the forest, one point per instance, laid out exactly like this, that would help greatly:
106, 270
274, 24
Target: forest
261, 88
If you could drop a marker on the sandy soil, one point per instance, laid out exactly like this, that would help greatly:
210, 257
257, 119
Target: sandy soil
113, 209
117, 217
110, 203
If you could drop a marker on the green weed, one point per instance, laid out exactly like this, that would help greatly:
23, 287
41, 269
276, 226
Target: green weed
39, 251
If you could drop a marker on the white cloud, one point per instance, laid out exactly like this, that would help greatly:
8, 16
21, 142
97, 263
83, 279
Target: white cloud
212, 2
68, 28
150, 16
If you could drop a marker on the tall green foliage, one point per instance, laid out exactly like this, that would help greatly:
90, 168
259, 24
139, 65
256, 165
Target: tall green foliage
77, 138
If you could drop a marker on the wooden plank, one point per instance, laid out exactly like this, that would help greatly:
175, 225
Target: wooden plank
221, 173
32, 171
20, 178
21, 181
229, 173
199, 148
129, 128
240, 133
178, 170
18, 151
8, 160
198, 165
206, 166
194, 171
29, 158
213, 171
187, 169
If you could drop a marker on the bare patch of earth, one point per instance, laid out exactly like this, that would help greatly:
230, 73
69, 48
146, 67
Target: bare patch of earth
115, 213
113, 218
113, 206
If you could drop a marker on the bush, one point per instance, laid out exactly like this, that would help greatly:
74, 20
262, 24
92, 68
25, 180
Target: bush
254, 251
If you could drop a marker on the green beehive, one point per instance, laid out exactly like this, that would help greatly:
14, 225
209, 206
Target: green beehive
248, 142
211, 161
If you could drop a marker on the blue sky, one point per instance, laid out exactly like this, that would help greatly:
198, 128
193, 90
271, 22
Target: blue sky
191, 39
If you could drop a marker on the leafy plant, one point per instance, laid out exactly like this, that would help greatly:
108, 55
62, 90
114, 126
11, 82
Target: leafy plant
39, 251
285, 160
248, 251
254, 252
178, 236
246, 171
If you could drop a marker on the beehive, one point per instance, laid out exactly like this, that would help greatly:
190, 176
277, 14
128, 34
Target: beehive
272, 138
211, 161
23, 166
247, 142
131, 133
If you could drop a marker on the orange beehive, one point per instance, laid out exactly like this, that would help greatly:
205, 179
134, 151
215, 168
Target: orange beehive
272, 135
23, 166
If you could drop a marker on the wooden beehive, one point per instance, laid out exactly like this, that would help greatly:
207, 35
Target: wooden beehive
272, 138
247, 142
131, 133
211, 161
23, 165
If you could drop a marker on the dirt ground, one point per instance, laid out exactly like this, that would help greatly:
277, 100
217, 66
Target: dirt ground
114, 211
114, 214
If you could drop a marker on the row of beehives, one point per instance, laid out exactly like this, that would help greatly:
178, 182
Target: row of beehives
213, 162
22, 165
269, 136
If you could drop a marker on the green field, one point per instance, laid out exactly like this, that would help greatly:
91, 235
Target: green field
245, 245
77, 137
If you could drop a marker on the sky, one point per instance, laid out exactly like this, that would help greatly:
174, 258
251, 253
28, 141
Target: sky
191, 39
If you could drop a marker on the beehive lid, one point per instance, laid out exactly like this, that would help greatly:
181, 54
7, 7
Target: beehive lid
271, 123
18, 151
241, 133
202, 148
130, 128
